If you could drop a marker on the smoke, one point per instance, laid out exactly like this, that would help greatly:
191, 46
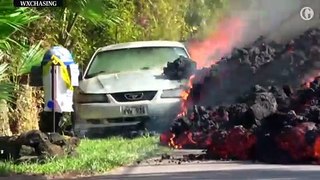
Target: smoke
247, 20
219, 43
277, 20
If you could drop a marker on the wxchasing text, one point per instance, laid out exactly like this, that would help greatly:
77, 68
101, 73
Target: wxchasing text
38, 3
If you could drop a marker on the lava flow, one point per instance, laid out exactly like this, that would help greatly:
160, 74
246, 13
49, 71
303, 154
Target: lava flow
206, 53
278, 122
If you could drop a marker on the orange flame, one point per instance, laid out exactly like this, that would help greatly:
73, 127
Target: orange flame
184, 96
218, 44
173, 144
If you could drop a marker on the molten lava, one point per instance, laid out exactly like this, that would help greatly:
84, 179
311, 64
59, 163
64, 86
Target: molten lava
277, 122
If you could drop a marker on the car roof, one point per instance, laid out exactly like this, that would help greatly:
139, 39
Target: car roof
139, 44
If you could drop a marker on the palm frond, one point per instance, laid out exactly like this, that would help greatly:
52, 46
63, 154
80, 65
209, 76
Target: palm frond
31, 56
6, 88
13, 19
3, 68
93, 10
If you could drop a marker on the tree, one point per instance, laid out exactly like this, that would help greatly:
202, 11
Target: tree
11, 20
202, 14
66, 26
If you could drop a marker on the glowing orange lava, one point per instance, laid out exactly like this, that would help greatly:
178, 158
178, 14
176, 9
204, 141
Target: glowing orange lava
309, 79
317, 148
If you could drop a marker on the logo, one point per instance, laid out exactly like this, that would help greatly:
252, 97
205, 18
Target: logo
133, 96
38, 3
307, 13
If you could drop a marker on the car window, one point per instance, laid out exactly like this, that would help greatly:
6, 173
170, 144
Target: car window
133, 59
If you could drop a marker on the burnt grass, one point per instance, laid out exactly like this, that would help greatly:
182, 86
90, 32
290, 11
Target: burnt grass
260, 103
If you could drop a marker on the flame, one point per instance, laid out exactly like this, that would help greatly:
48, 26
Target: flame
219, 43
184, 97
173, 144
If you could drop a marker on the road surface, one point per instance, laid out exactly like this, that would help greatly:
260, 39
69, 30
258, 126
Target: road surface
166, 169
177, 169
213, 170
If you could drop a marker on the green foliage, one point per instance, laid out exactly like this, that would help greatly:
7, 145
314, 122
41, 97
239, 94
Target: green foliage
95, 156
12, 20
202, 15
25, 58
82, 26
5, 87
91, 12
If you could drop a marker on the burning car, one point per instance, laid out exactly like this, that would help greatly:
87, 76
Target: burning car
124, 85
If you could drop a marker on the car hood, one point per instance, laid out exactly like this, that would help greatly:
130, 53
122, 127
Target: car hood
144, 80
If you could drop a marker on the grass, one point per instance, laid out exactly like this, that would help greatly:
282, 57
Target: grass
94, 156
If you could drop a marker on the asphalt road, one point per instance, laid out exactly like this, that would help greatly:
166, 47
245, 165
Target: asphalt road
173, 169
213, 170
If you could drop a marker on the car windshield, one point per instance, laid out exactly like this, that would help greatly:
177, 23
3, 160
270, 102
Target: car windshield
133, 59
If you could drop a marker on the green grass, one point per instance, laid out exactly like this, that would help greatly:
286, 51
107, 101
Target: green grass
94, 156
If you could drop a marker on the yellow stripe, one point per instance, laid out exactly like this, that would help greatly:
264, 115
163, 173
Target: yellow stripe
64, 71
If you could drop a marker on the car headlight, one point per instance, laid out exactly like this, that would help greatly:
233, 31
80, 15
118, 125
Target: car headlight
171, 93
91, 98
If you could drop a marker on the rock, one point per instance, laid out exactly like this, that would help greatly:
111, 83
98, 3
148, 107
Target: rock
35, 143
238, 113
181, 68
56, 138
50, 150
9, 147
27, 151
32, 138
262, 105
282, 99
71, 144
